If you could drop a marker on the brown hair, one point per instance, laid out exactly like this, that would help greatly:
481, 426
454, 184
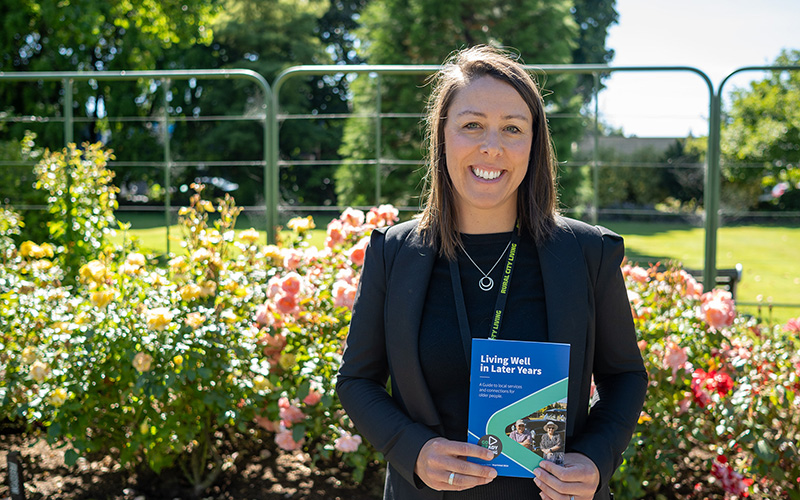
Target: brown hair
536, 197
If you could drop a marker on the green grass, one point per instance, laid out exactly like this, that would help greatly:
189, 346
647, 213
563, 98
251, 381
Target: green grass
768, 254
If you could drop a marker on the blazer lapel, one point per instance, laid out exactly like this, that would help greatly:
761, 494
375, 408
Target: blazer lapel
406, 291
566, 299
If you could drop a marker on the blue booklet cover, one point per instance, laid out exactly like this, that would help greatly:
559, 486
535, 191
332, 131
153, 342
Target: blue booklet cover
518, 403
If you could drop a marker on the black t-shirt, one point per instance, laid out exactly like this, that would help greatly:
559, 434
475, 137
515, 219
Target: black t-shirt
444, 363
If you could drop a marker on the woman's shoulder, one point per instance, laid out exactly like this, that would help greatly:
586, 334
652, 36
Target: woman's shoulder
584, 231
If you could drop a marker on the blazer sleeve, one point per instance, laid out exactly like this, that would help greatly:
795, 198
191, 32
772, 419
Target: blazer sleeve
619, 373
364, 372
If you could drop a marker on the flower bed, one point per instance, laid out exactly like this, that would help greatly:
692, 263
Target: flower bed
156, 360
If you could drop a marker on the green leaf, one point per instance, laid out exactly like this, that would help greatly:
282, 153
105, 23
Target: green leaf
71, 457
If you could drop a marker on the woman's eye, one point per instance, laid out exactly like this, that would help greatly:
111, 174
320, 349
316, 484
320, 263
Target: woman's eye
472, 126
513, 129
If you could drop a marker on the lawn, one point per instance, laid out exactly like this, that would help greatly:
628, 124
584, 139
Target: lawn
768, 254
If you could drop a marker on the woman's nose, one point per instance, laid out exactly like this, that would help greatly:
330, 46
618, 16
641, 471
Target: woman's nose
491, 143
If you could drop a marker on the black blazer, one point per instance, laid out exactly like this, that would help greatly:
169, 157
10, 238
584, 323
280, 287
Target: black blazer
587, 307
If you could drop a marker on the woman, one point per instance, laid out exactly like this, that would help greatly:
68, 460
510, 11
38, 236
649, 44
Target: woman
490, 168
550, 442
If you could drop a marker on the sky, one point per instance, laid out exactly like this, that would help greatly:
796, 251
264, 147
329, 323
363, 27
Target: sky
714, 36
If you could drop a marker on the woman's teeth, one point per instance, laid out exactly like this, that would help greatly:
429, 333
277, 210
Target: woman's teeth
486, 174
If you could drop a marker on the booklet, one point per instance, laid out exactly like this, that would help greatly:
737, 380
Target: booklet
518, 403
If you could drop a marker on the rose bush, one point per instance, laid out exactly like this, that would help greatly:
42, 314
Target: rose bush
722, 413
163, 360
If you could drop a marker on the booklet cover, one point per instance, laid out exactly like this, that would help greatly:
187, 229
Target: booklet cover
518, 403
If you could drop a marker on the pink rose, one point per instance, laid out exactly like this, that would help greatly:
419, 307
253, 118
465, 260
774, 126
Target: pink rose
291, 258
358, 251
793, 325
638, 274
344, 294
313, 397
267, 424
347, 443
352, 217
675, 357
274, 287
335, 233
289, 413
285, 440
690, 288
263, 315
718, 308
286, 304
292, 283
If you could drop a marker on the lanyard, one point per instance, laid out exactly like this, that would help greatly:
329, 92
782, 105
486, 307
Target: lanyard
502, 294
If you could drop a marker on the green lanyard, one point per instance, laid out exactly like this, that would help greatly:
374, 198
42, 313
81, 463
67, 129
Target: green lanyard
502, 295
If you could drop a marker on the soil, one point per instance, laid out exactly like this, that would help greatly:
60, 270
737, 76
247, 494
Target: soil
258, 473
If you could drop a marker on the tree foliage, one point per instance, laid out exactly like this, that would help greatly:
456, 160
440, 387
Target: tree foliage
761, 139
425, 32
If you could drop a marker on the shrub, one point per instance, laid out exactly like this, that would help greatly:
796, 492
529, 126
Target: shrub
722, 410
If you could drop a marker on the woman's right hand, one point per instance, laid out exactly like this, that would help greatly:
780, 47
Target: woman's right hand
440, 457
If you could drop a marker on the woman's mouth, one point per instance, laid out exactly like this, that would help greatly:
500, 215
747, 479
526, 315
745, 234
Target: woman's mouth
488, 175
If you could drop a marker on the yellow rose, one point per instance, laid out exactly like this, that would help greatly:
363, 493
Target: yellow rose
29, 355
301, 224
249, 236
207, 288
177, 360
178, 264
93, 271
58, 397
142, 362
287, 361
158, 318
40, 371
28, 248
190, 292
260, 383
135, 259
202, 254
43, 250
102, 298
195, 320
42, 265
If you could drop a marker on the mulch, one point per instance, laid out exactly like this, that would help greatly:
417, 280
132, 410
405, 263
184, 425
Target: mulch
256, 473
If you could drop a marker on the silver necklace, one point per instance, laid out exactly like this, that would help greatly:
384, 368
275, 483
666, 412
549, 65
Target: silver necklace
486, 283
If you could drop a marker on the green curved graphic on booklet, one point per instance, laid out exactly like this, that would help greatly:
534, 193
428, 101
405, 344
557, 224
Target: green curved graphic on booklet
530, 404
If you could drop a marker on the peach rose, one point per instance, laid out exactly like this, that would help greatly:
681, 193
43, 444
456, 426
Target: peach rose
335, 233
292, 283
285, 440
352, 217
344, 294
289, 413
347, 443
358, 252
718, 308
142, 362
286, 304
675, 357
313, 397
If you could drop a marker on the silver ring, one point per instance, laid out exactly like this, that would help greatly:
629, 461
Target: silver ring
453, 475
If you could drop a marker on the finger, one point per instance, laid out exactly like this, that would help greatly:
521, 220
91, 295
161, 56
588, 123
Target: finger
462, 481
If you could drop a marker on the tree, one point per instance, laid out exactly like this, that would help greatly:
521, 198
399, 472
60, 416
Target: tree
593, 18
760, 140
425, 32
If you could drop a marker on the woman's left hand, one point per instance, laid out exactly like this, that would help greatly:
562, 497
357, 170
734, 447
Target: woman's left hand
577, 479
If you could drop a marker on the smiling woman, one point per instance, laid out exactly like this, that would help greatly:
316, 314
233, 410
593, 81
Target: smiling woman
488, 136
424, 296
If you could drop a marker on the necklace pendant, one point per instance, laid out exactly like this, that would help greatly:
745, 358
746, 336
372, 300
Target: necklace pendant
486, 283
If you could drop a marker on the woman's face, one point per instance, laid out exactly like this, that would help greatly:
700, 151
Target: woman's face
488, 133
551, 430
